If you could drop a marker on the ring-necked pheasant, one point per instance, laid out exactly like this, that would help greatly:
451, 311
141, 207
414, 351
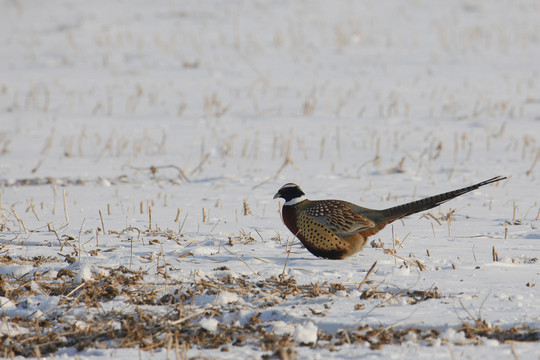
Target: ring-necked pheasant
335, 229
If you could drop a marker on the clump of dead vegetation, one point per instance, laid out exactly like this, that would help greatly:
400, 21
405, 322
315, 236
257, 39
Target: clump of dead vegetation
165, 173
156, 317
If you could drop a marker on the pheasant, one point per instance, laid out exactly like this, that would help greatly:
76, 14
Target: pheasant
335, 229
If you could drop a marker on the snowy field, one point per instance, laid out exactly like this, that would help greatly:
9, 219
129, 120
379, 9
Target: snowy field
141, 143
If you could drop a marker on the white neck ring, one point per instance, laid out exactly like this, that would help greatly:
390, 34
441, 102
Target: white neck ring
295, 201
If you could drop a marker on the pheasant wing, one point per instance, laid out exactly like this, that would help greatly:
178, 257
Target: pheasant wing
338, 217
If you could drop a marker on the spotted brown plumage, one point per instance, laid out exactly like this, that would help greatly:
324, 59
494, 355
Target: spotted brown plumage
335, 229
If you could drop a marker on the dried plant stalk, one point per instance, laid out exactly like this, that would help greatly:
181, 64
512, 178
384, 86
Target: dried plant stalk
494, 254
102, 223
204, 215
65, 206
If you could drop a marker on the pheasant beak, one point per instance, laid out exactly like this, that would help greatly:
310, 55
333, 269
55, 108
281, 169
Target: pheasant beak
277, 196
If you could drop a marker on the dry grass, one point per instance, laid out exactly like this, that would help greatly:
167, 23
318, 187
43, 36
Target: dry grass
153, 318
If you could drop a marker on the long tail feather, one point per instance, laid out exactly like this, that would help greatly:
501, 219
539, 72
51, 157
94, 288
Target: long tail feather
401, 211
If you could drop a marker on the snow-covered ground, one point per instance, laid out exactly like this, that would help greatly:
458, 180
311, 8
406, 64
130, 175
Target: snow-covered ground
141, 144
